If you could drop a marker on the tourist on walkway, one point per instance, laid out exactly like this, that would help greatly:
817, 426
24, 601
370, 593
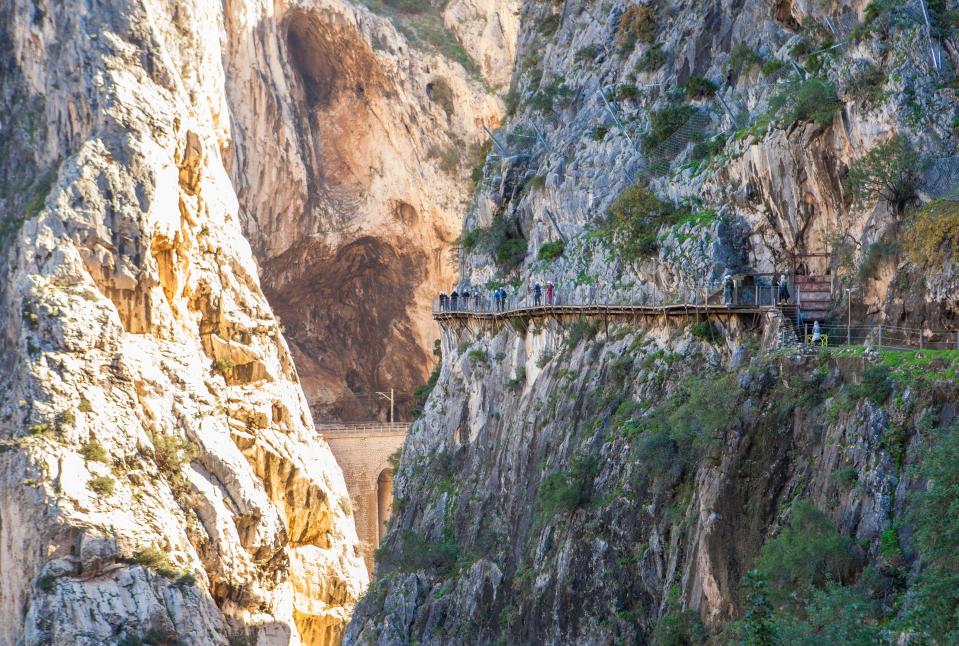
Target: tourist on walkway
444, 301
465, 297
816, 333
783, 289
500, 298
549, 293
476, 300
454, 299
537, 294
727, 289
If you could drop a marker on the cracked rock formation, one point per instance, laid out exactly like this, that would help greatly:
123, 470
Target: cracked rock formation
160, 476
354, 134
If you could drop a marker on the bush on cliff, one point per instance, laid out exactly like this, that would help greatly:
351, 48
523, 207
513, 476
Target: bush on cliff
888, 172
633, 222
936, 602
570, 489
812, 99
934, 233
638, 23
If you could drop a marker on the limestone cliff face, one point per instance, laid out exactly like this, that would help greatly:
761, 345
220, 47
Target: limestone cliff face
354, 136
160, 477
555, 490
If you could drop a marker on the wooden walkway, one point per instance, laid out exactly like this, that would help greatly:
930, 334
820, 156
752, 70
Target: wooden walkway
614, 310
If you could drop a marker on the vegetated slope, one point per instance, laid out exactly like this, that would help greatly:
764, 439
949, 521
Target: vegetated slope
569, 484
160, 477
576, 486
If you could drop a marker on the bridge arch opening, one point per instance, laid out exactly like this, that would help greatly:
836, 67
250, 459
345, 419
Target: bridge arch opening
384, 500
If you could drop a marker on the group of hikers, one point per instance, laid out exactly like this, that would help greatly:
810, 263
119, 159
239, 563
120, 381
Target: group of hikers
728, 294
466, 299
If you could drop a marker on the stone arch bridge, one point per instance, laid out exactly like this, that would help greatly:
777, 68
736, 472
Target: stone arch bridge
363, 452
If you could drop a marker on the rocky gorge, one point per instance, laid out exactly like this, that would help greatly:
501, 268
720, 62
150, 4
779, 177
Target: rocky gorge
221, 221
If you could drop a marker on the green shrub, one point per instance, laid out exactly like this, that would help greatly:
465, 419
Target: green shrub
876, 386
637, 23
224, 364
92, 451
410, 6
582, 328
511, 253
888, 172
806, 553
936, 593
707, 331
414, 553
873, 256
757, 627
156, 560
572, 489
478, 358
742, 59
47, 583
440, 92
679, 627
634, 220
626, 92
664, 123
845, 477
933, 233
812, 99
422, 393
708, 148
586, 54
171, 452
598, 133
469, 240
866, 86
479, 153
651, 61
547, 99
501, 239
552, 250
548, 25
698, 87
773, 66
101, 485
889, 545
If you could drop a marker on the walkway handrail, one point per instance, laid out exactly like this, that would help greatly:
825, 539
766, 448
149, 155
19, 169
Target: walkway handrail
363, 427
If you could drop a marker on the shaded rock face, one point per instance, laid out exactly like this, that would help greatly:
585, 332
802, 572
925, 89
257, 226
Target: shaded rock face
160, 476
353, 146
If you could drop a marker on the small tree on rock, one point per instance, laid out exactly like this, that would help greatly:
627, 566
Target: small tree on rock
888, 172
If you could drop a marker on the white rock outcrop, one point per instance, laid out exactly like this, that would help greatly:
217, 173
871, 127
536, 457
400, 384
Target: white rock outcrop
160, 476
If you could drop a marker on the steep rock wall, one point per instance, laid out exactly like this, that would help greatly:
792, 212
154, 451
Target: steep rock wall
351, 161
161, 477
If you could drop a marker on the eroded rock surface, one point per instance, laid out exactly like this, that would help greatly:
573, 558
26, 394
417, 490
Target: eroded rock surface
161, 476
354, 138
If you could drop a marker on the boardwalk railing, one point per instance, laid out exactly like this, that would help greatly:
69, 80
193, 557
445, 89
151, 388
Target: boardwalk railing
363, 427
757, 294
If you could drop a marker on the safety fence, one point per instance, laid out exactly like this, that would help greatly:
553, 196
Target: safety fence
890, 337
363, 427
750, 290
